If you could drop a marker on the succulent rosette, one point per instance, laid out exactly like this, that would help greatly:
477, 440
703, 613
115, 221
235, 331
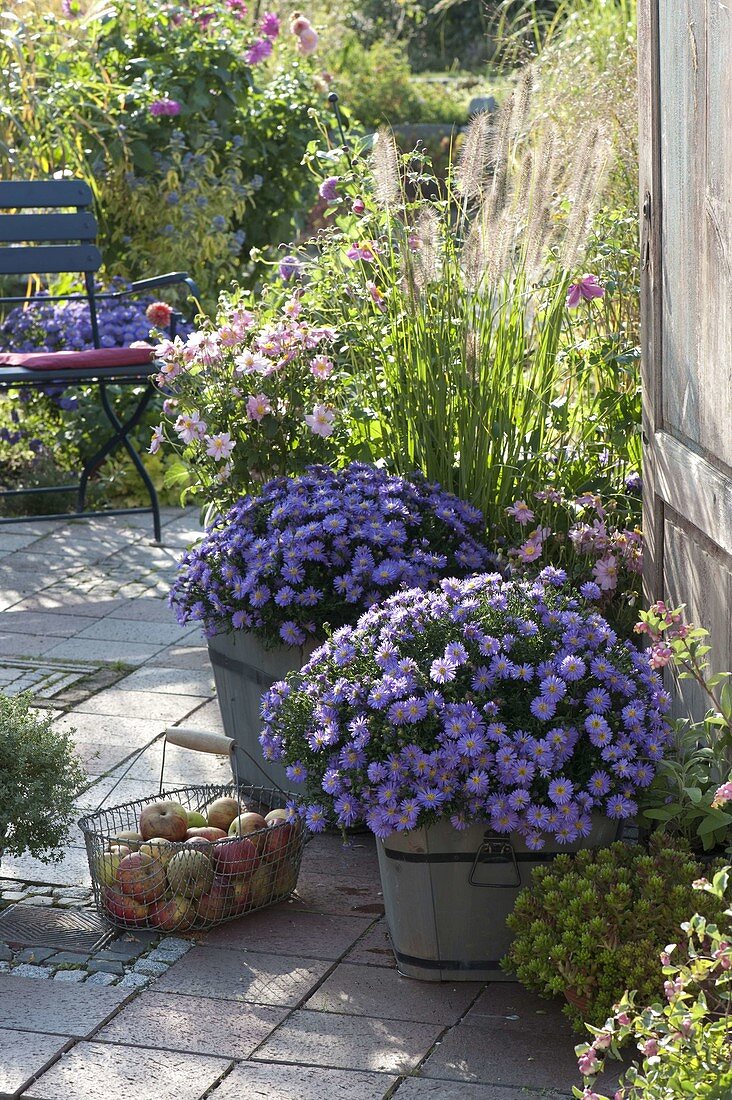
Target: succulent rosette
321, 548
509, 702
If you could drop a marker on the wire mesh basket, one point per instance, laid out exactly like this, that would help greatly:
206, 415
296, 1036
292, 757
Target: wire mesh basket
154, 864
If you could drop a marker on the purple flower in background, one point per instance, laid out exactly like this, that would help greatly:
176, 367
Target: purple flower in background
164, 108
584, 290
289, 268
328, 189
269, 25
259, 51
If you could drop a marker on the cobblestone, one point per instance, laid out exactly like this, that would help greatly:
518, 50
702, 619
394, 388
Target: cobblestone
26, 970
106, 966
5, 953
34, 955
69, 976
100, 979
151, 967
133, 981
169, 950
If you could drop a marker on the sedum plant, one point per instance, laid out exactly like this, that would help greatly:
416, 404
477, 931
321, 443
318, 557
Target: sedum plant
39, 778
593, 924
686, 1043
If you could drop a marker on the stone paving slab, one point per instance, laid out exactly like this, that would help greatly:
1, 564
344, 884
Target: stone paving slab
182, 766
72, 870
145, 609
278, 1082
120, 702
374, 949
100, 1071
170, 681
510, 1001
283, 931
42, 623
539, 1055
113, 629
100, 758
194, 657
130, 653
126, 733
416, 1088
55, 1008
196, 1025
114, 792
349, 1042
24, 645
368, 991
23, 1055
59, 599
319, 893
249, 976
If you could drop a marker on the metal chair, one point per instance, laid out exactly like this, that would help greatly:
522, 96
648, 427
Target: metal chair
38, 243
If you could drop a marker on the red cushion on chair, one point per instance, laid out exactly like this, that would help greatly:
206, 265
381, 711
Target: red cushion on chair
94, 357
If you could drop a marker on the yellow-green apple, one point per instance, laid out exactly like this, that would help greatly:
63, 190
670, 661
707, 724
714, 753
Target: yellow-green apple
123, 908
128, 837
208, 833
106, 867
168, 820
235, 856
190, 873
158, 848
173, 914
222, 812
285, 878
141, 876
239, 898
260, 886
196, 820
249, 824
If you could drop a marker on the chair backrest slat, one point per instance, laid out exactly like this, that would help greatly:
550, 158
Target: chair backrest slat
49, 259
48, 193
47, 227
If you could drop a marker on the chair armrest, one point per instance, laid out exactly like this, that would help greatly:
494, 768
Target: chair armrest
167, 280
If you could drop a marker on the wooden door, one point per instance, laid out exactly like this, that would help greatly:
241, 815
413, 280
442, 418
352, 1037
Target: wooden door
685, 70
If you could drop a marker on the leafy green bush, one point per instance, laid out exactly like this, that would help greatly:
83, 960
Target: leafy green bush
39, 779
686, 1044
593, 924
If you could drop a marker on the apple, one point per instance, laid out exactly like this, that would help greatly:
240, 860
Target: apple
120, 850
168, 820
280, 834
235, 856
140, 876
218, 901
106, 868
128, 837
190, 873
285, 879
208, 833
199, 844
222, 812
174, 914
158, 848
123, 908
260, 886
196, 820
276, 815
249, 823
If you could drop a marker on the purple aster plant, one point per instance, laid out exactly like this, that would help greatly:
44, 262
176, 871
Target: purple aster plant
464, 739
321, 548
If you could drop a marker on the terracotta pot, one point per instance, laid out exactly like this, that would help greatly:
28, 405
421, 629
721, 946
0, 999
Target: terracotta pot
580, 1001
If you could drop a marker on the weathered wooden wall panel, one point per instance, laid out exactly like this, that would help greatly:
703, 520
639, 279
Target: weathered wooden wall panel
685, 63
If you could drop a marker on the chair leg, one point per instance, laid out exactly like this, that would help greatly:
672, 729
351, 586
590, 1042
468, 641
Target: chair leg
121, 439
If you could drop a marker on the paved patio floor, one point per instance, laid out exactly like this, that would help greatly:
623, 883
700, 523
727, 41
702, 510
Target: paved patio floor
298, 1002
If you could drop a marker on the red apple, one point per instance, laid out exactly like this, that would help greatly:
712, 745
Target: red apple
175, 914
106, 866
168, 820
199, 844
222, 812
239, 898
218, 901
280, 835
276, 815
235, 856
141, 877
124, 909
208, 833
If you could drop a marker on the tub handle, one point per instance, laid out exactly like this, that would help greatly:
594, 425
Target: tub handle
495, 849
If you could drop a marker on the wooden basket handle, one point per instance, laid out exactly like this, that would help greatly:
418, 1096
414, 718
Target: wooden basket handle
199, 740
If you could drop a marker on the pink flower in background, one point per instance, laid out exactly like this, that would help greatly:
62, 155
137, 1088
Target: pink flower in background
299, 23
328, 189
530, 551
258, 407
321, 420
307, 41
158, 438
606, 572
321, 366
250, 362
587, 288
238, 7
520, 512
364, 251
190, 427
359, 206
722, 794
292, 308
159, 314
219, 446
376, 296
170, 404
164, 107
588, 1063
270, 25
259, 51
289, 268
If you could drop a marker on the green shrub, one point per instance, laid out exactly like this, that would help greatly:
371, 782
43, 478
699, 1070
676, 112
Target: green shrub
39, 779
595, 923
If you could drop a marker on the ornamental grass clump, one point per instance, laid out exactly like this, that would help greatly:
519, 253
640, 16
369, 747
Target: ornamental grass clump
486, 700
593, 924
319, 549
